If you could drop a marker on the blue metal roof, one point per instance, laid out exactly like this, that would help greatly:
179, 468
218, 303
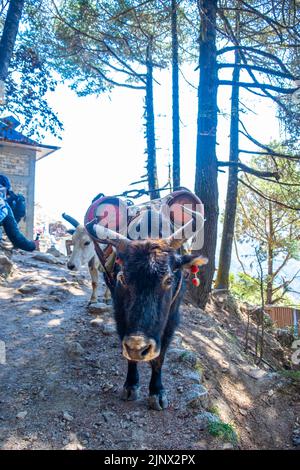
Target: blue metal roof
8, 133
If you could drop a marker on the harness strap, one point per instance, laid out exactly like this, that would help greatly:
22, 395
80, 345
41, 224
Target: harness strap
177, 289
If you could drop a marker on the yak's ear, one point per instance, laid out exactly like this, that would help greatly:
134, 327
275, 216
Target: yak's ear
186, 261
71, 231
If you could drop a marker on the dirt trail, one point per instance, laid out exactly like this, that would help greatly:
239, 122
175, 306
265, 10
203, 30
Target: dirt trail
60, 387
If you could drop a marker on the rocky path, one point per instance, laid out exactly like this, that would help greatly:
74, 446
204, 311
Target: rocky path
61, 383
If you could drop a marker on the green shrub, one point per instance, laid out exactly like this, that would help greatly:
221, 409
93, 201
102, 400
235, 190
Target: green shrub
225, 431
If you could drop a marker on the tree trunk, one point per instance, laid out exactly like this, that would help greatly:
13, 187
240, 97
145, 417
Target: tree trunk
222, 281
175, 99
150, 130
206, 181
8, 39
269, 296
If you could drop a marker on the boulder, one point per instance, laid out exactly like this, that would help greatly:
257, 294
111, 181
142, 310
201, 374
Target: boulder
28, 289
183, 355
197, 396
22, 415
205, 418
99, 307
108, 329
54, 251
74, 349
285, 337
6, 265
46, 258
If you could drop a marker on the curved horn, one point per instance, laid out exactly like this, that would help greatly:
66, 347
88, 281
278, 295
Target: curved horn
105, 235
184, 233
70, 219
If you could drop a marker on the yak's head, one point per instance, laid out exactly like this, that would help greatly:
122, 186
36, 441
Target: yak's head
148, 290
83, 248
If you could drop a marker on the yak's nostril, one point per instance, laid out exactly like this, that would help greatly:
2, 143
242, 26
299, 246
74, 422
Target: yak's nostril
146, 350
71, 266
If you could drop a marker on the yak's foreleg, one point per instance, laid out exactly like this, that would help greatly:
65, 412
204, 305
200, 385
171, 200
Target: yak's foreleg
131, 390
157, 395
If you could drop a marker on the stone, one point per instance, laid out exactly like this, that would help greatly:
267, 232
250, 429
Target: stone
296, 439
46, 258
183, 355
107, 415
22, 415
99, 307
54, 251
285, 337
200, 445
67, 416
203, 419
177, 341
256, 373
74, 349
108, 329
73, 446
6, 266
175, 353
197, 396
28, 289
195, 377
228, 446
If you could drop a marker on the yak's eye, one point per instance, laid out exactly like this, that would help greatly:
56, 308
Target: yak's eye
121, 278
86, 243
167, 282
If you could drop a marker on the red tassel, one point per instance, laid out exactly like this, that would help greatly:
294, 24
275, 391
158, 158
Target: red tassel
196, 281
194, 269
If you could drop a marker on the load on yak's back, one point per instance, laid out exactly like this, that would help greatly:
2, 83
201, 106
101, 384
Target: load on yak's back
154, 219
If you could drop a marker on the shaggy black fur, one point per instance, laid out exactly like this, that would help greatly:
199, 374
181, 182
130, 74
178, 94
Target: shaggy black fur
143, 303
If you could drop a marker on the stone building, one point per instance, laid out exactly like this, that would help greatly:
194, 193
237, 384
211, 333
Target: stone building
18, 156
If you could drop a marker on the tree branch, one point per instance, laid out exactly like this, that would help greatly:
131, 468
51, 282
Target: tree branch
259, 69
255, 190
273, 154
255, 51
113, 82
269, 150
263, 86
251, 171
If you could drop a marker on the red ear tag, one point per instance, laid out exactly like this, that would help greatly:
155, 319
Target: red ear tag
196, 281
194, 269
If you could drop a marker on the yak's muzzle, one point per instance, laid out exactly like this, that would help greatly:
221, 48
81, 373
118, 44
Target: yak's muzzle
139, 348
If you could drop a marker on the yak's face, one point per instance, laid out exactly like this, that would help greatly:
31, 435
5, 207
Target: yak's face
149, 279
83, 249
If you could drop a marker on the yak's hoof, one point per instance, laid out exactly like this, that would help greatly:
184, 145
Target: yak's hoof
158, 402
131, 393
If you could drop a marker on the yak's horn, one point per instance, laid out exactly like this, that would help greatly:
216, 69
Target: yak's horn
70, 219
105, 235
184, 233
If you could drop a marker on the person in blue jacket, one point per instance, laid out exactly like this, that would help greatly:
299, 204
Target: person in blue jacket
12, 209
